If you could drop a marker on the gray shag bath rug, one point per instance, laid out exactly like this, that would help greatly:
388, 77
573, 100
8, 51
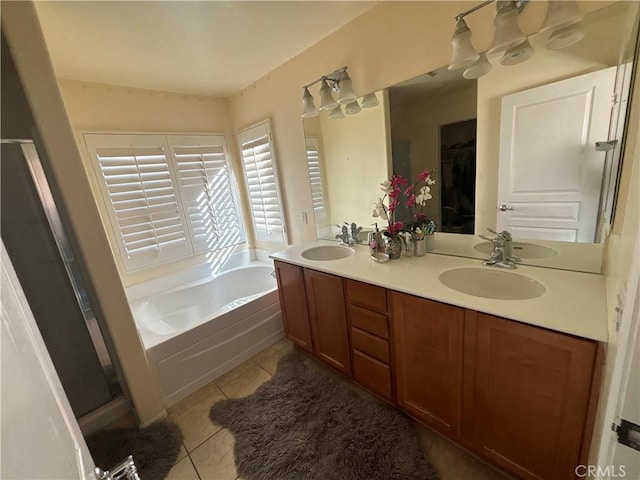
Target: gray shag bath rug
154, 449
305, 424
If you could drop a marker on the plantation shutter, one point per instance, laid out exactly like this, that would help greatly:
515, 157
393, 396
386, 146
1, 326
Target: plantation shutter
142, 204
258, 160
315, 178
207, 191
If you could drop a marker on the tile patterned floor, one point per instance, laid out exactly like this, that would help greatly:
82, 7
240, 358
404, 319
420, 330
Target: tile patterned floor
208, 448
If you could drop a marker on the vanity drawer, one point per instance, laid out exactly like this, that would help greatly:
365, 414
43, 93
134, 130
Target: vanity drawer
372, 374
368, 296
370, 344
370, 322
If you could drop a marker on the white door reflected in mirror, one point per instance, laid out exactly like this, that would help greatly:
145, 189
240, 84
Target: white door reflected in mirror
550, 173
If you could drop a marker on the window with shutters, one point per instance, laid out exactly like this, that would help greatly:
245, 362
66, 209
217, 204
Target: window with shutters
167, 196
258, 159
314, 165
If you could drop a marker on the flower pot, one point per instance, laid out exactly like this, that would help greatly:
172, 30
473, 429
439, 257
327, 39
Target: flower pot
394, 247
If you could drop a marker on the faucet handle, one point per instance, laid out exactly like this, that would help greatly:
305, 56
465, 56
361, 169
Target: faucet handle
492, 231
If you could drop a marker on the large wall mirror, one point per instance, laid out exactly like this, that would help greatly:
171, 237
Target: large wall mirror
514, 149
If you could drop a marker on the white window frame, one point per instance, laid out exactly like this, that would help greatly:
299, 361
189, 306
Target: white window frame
167, 142
252, 134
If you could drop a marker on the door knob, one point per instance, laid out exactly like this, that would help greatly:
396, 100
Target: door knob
504, 208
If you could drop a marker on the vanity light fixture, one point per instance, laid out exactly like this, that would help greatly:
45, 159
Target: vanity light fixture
507, 33
478, 68
517, 54
327, 101
336, 113
369, 101
463, 52
352, 108
308, 107
562, 19
337, 82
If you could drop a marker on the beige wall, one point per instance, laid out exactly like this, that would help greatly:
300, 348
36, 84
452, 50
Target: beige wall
355, 161
96, 107
24, 36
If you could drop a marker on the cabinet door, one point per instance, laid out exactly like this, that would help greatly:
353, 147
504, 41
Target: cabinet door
531, 397
293, 303
325, 299
428, 339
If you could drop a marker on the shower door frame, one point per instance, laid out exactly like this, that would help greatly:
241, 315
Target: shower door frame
114, 378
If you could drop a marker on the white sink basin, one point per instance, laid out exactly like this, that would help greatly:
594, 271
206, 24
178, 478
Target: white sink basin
488, 283
327, 252
520, 249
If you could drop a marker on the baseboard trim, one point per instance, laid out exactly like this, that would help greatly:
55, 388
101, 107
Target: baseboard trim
103, 416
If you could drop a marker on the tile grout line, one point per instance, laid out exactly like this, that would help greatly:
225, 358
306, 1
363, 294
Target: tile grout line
194, 467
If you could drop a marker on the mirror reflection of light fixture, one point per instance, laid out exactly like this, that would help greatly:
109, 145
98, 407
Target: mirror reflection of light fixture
337, 82
564, 37
478, 68
561, 14
518, 54
352, 108
336, 113
369, 101
561, 20
507, 33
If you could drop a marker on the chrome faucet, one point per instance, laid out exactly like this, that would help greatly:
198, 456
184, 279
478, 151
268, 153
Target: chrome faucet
502, 255
344, 236
355, 233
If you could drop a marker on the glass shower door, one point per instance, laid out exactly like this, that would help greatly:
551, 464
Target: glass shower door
53, 281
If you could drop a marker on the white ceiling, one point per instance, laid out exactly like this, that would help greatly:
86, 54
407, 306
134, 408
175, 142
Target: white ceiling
200, 47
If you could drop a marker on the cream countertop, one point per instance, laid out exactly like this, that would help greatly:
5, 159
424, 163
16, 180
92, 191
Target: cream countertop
574, 302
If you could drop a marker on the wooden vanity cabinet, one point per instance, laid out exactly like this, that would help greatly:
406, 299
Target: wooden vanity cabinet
293, 304
520, 396
367, 311
328, 319
428, 341
530, 396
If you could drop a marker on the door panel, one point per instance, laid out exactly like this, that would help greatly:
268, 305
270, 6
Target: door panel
550, 174
293, 303
531, 397
40, 437
428, 340
328, 317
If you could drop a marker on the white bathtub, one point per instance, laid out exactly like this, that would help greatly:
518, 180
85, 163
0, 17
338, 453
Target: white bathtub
198, 331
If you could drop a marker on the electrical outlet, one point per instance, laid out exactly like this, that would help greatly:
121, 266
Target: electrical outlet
303, 217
